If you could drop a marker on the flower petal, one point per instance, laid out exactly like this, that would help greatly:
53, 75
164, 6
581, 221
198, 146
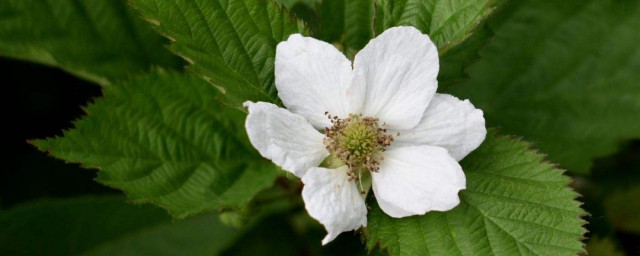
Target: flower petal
448, 122
417, 179
332, 199
399, 70
285, 138
313, 77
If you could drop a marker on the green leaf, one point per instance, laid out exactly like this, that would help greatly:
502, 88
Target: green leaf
514, 204
230, 43
107, 226
163, 138
346, 23
563, 74
98, 40
456, 27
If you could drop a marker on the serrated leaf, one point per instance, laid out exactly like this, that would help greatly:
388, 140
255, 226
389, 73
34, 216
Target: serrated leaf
230, 43
105, 225
163, 138
514, 204
456, 27
98, 40
563, 74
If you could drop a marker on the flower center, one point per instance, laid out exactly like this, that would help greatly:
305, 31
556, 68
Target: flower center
357, 141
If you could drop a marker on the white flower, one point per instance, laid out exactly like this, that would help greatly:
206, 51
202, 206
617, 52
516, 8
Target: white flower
380, 121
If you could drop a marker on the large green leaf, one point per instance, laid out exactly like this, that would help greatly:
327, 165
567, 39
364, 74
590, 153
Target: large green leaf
163, 138
99, 40
93, 225
563, 74
456, 27
514, 204
230, 43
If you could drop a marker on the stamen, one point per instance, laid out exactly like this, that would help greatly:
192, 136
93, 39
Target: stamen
358, 142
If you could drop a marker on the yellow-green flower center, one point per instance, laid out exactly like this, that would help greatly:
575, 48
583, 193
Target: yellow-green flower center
357, 142
358, 138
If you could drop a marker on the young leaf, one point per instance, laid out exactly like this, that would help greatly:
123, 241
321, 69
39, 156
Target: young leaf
163, 138
563, 74
456, 27
514, 204
98, 40
93, 225
230, 43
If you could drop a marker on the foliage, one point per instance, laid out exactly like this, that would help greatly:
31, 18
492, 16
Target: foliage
560, 74
514, 204
163, 138
101, 40
230, 43
107, 226
456, 27
570, 86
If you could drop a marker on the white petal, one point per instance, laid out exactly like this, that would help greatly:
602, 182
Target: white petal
415, 180
285, 138
313, 77
332, 199
448, 122
399, 70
